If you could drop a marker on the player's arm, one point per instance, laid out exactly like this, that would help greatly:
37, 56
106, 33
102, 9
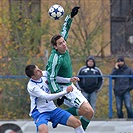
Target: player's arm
67, 23
38, 92
62, 79
58, 78
52, 68
66, 80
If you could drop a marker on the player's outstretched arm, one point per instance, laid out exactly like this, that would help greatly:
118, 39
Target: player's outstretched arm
67, 23
37, 92
66, 80
59, 94
74, 79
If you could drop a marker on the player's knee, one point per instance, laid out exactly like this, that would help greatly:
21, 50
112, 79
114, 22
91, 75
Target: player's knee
73, 122
77, 123
90, 112
43, 129
87, 111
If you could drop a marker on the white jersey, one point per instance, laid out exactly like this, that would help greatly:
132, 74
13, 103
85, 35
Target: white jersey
40, 96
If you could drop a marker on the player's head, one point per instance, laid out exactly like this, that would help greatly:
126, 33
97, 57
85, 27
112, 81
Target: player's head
59, 43
54, 39
32, 71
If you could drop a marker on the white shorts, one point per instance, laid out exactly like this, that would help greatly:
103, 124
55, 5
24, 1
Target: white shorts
75, 98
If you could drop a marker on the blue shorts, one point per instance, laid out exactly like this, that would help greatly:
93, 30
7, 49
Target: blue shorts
57, 116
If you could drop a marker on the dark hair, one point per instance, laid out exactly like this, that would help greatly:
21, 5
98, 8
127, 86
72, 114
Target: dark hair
29, 70
55, 38
120, 59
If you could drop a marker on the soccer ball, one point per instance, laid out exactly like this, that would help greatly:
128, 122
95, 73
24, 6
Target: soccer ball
56, 11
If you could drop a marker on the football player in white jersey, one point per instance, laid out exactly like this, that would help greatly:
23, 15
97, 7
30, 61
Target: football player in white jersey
42, 108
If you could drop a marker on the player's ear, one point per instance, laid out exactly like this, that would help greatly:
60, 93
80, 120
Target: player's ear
33, 77
55, 46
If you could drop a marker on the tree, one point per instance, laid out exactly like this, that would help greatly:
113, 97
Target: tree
88, 28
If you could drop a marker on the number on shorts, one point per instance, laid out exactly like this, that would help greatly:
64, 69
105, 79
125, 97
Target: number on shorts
77, 101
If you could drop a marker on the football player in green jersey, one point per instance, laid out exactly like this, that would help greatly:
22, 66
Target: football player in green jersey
59, 64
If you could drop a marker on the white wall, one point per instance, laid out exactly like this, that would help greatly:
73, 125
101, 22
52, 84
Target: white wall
114, 126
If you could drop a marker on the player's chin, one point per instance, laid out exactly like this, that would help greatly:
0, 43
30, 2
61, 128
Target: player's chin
65, 48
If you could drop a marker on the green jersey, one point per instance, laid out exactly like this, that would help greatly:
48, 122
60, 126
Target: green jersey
59, 64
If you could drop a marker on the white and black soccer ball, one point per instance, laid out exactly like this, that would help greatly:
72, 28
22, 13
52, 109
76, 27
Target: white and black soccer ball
56, 11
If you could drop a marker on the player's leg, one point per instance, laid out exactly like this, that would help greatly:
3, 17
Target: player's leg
73, 111
75, 123
43, 128
41, 121
65, 118
86, 113
82, 106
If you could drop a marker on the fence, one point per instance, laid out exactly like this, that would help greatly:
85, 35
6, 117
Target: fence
110, 88
24, 102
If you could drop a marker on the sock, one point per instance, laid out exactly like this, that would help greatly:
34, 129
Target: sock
85, 122
73, 111
79, 130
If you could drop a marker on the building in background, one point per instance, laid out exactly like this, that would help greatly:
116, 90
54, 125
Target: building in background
105, 27
121, 27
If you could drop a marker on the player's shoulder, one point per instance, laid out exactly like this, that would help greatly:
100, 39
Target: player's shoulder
54, 54
31, 85
45, 73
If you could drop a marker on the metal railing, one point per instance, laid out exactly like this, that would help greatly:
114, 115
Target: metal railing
110, 86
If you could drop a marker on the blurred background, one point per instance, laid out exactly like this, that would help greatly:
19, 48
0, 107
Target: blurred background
102, 28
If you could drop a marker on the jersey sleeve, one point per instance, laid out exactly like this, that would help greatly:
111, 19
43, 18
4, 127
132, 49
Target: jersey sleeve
52, 68
66, 27
37, 92
63, 80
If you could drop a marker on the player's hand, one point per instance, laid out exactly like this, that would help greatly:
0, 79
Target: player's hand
61, 100
74, 79
74, 11
69, 89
